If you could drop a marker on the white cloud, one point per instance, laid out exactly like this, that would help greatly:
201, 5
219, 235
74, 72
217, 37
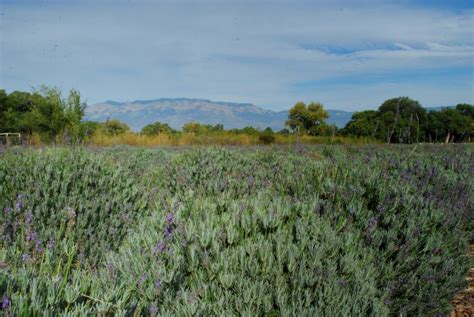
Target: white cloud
239, 51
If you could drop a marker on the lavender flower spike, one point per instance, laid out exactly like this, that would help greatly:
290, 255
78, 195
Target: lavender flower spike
153, 310
5, 301
25, 257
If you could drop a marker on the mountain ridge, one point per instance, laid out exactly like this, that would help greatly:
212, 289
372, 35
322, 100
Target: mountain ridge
177, 111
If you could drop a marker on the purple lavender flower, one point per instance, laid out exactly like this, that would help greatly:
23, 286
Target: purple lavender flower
112, 270
50, 244
142, 280
31, 236
192, 298
153, 310
25, 257
19, 205
39, 249
7, 210
158, 285
371, 224
341, 282
169, 231
170, 218
159, 248
5, 301
28, 218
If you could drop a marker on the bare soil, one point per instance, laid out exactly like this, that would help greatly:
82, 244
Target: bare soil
463, 302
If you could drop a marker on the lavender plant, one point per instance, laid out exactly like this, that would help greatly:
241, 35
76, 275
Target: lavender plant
371, 231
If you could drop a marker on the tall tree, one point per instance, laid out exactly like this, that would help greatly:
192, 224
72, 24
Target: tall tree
74, 112
307, 119
363, 124
402, 120
156, 128
115, 127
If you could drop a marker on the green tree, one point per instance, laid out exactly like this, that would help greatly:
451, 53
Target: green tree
88, 128
156, 128
363, 124
268, 130
450, 124
3, 109
193, 127
266, 136
115, 127
16, 106
402, 120
307, 119
323, 129
249, 130
217, 128
284, 131
467, 110
74, 112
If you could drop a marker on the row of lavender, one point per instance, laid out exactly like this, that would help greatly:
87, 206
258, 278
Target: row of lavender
314, 231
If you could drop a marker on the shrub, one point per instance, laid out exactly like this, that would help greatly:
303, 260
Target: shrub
266, 138
59, 194
209, 256
326, 231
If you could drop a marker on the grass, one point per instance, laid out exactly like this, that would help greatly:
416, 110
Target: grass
219, 138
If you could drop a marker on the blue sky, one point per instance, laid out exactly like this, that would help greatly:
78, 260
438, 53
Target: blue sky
349, 55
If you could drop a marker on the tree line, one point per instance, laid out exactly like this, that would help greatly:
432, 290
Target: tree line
46, 112
403, 120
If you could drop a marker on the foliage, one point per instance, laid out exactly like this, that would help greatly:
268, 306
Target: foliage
44, 116
363, 123
230, 232
45, 112
199, 128
266, 137
403, 120
451, 124
156, 128
68, 189
114, 127
307, 118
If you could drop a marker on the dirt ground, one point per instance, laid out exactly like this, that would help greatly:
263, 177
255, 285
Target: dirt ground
464, 301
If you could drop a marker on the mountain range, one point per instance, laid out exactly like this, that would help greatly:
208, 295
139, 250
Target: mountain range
177, 111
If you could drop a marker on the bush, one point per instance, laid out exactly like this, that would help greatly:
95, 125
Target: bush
266, 138
212, 256
66, 194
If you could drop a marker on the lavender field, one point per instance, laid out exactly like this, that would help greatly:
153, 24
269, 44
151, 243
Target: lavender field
257, 231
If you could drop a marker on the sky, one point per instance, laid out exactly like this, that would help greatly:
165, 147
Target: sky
349, 55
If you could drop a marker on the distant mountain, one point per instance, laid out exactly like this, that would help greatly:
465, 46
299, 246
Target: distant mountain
177, 111
438, 108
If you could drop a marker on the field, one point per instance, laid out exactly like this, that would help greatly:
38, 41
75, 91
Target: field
305, 230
